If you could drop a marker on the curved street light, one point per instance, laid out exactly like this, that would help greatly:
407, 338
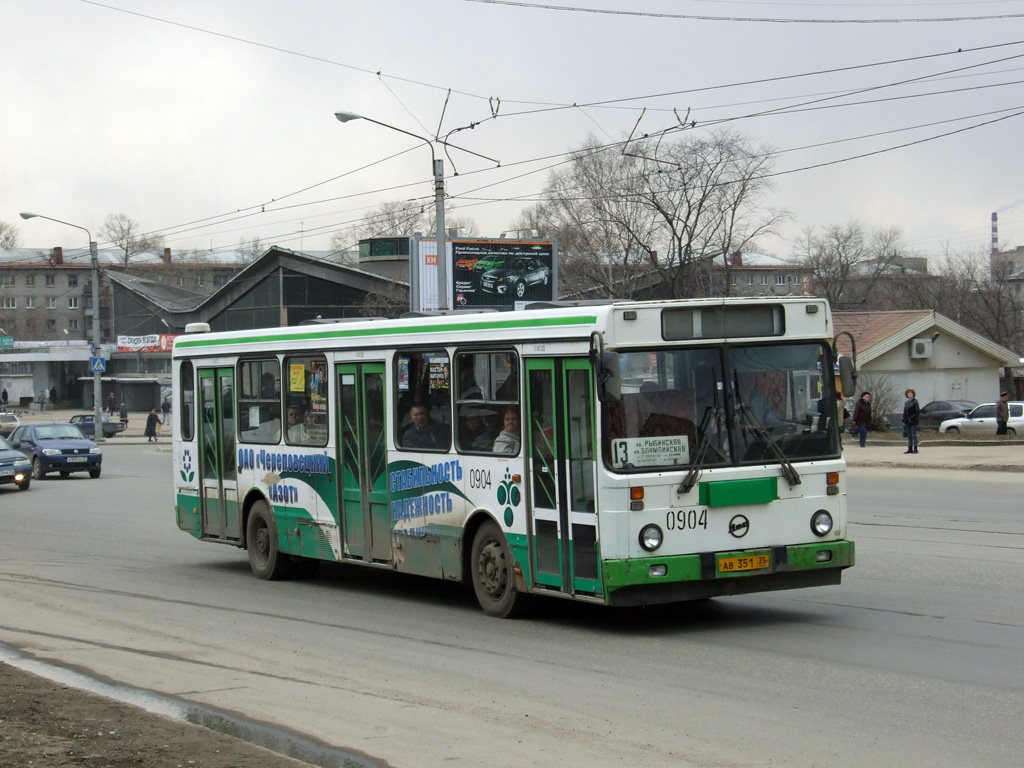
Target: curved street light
437, 167
97, 385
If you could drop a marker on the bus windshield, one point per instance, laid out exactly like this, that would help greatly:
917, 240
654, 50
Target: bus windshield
727, 405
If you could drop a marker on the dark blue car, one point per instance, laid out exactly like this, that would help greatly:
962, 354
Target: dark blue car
14, 467
57, 447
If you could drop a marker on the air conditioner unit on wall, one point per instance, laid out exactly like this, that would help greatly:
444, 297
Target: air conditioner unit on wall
920, 349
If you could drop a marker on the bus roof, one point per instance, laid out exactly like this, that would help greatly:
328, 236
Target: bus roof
545, 323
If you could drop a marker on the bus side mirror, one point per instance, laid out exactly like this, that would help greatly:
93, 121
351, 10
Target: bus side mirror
609, 384
606, 370
847, 374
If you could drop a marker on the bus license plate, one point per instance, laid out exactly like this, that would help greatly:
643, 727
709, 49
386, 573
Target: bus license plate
78, 459
748, 563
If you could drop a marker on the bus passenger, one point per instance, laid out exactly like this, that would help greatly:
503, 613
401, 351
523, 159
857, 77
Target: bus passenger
509, 440
474, 433
295, 425
422, 433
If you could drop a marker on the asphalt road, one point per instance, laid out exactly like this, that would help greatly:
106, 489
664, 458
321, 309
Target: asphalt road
915, 660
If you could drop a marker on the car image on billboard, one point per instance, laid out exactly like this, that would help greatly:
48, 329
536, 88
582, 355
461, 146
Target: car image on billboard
502, 274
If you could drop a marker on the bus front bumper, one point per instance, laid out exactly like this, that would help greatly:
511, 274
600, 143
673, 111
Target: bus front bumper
676, 578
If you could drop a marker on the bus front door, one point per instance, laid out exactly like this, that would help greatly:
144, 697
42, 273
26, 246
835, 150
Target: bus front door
559, 428
217, 469
365, 519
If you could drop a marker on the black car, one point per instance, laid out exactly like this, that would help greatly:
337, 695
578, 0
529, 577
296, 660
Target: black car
933, 414
516, 276
14, 467
939, 411
57, 447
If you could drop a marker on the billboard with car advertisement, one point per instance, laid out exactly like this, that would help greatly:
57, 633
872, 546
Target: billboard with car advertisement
488, 274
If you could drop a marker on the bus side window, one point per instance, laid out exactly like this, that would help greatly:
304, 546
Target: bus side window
306, 421
423, 401
487, 403
186, 407
259, 401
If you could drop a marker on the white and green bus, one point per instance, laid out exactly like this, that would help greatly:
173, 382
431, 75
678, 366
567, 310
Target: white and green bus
625, 453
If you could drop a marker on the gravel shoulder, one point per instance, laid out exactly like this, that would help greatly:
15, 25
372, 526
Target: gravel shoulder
50, 725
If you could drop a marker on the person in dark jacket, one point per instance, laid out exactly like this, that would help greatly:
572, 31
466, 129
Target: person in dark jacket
151, 426
911, 416
862, 416
1002, 412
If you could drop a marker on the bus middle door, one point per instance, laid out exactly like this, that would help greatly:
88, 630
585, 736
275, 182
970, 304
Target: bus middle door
217, 468
561, 455
365, 517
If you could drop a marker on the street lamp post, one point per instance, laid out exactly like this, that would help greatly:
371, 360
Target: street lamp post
97, 385
437, 167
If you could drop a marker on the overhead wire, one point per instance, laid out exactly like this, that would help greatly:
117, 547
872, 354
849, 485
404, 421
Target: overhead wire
205, 223
741, 19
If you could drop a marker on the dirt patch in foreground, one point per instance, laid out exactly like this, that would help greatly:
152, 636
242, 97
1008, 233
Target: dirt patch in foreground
44, 724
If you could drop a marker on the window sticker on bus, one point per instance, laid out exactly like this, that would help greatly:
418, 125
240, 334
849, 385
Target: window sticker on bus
650, 451
438, 368
296, 377
403, 374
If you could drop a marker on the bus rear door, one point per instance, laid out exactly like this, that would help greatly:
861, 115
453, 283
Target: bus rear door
561, 454
218, 472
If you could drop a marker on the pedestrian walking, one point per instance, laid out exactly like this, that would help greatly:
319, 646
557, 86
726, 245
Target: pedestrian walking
124, 415
53, 397
41, 399
4, 396
1002, 413
862, 416
911, 416
111, 404
152, 424
166, 408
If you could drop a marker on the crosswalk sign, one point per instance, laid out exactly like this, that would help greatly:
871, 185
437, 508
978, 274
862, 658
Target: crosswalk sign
98, 365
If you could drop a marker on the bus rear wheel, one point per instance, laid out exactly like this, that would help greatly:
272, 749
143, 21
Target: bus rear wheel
265, 559
491, 573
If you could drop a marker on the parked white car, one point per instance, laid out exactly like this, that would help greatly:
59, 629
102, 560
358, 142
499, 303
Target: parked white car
982, 421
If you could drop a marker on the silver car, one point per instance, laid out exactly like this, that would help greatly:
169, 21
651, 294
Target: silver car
982, 421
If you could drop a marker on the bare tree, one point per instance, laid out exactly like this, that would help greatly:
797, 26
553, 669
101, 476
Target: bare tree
250, 250
847, 262
650, 216
385, 304
9, 235
707, 193
127, 234
394, 218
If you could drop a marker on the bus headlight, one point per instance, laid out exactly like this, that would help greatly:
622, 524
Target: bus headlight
821, 523
650, 537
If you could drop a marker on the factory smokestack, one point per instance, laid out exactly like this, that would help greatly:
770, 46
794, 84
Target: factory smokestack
995, 233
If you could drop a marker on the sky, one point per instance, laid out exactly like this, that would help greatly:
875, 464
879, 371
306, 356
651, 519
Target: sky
212, 121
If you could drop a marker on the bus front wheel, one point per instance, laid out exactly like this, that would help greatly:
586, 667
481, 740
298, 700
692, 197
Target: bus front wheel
491, 573
261, 542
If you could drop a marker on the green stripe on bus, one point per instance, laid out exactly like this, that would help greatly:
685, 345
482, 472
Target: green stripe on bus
731, 493
636, 571
382, 330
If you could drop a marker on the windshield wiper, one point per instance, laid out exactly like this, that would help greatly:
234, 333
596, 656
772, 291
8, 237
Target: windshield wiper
712, 411
747, 416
